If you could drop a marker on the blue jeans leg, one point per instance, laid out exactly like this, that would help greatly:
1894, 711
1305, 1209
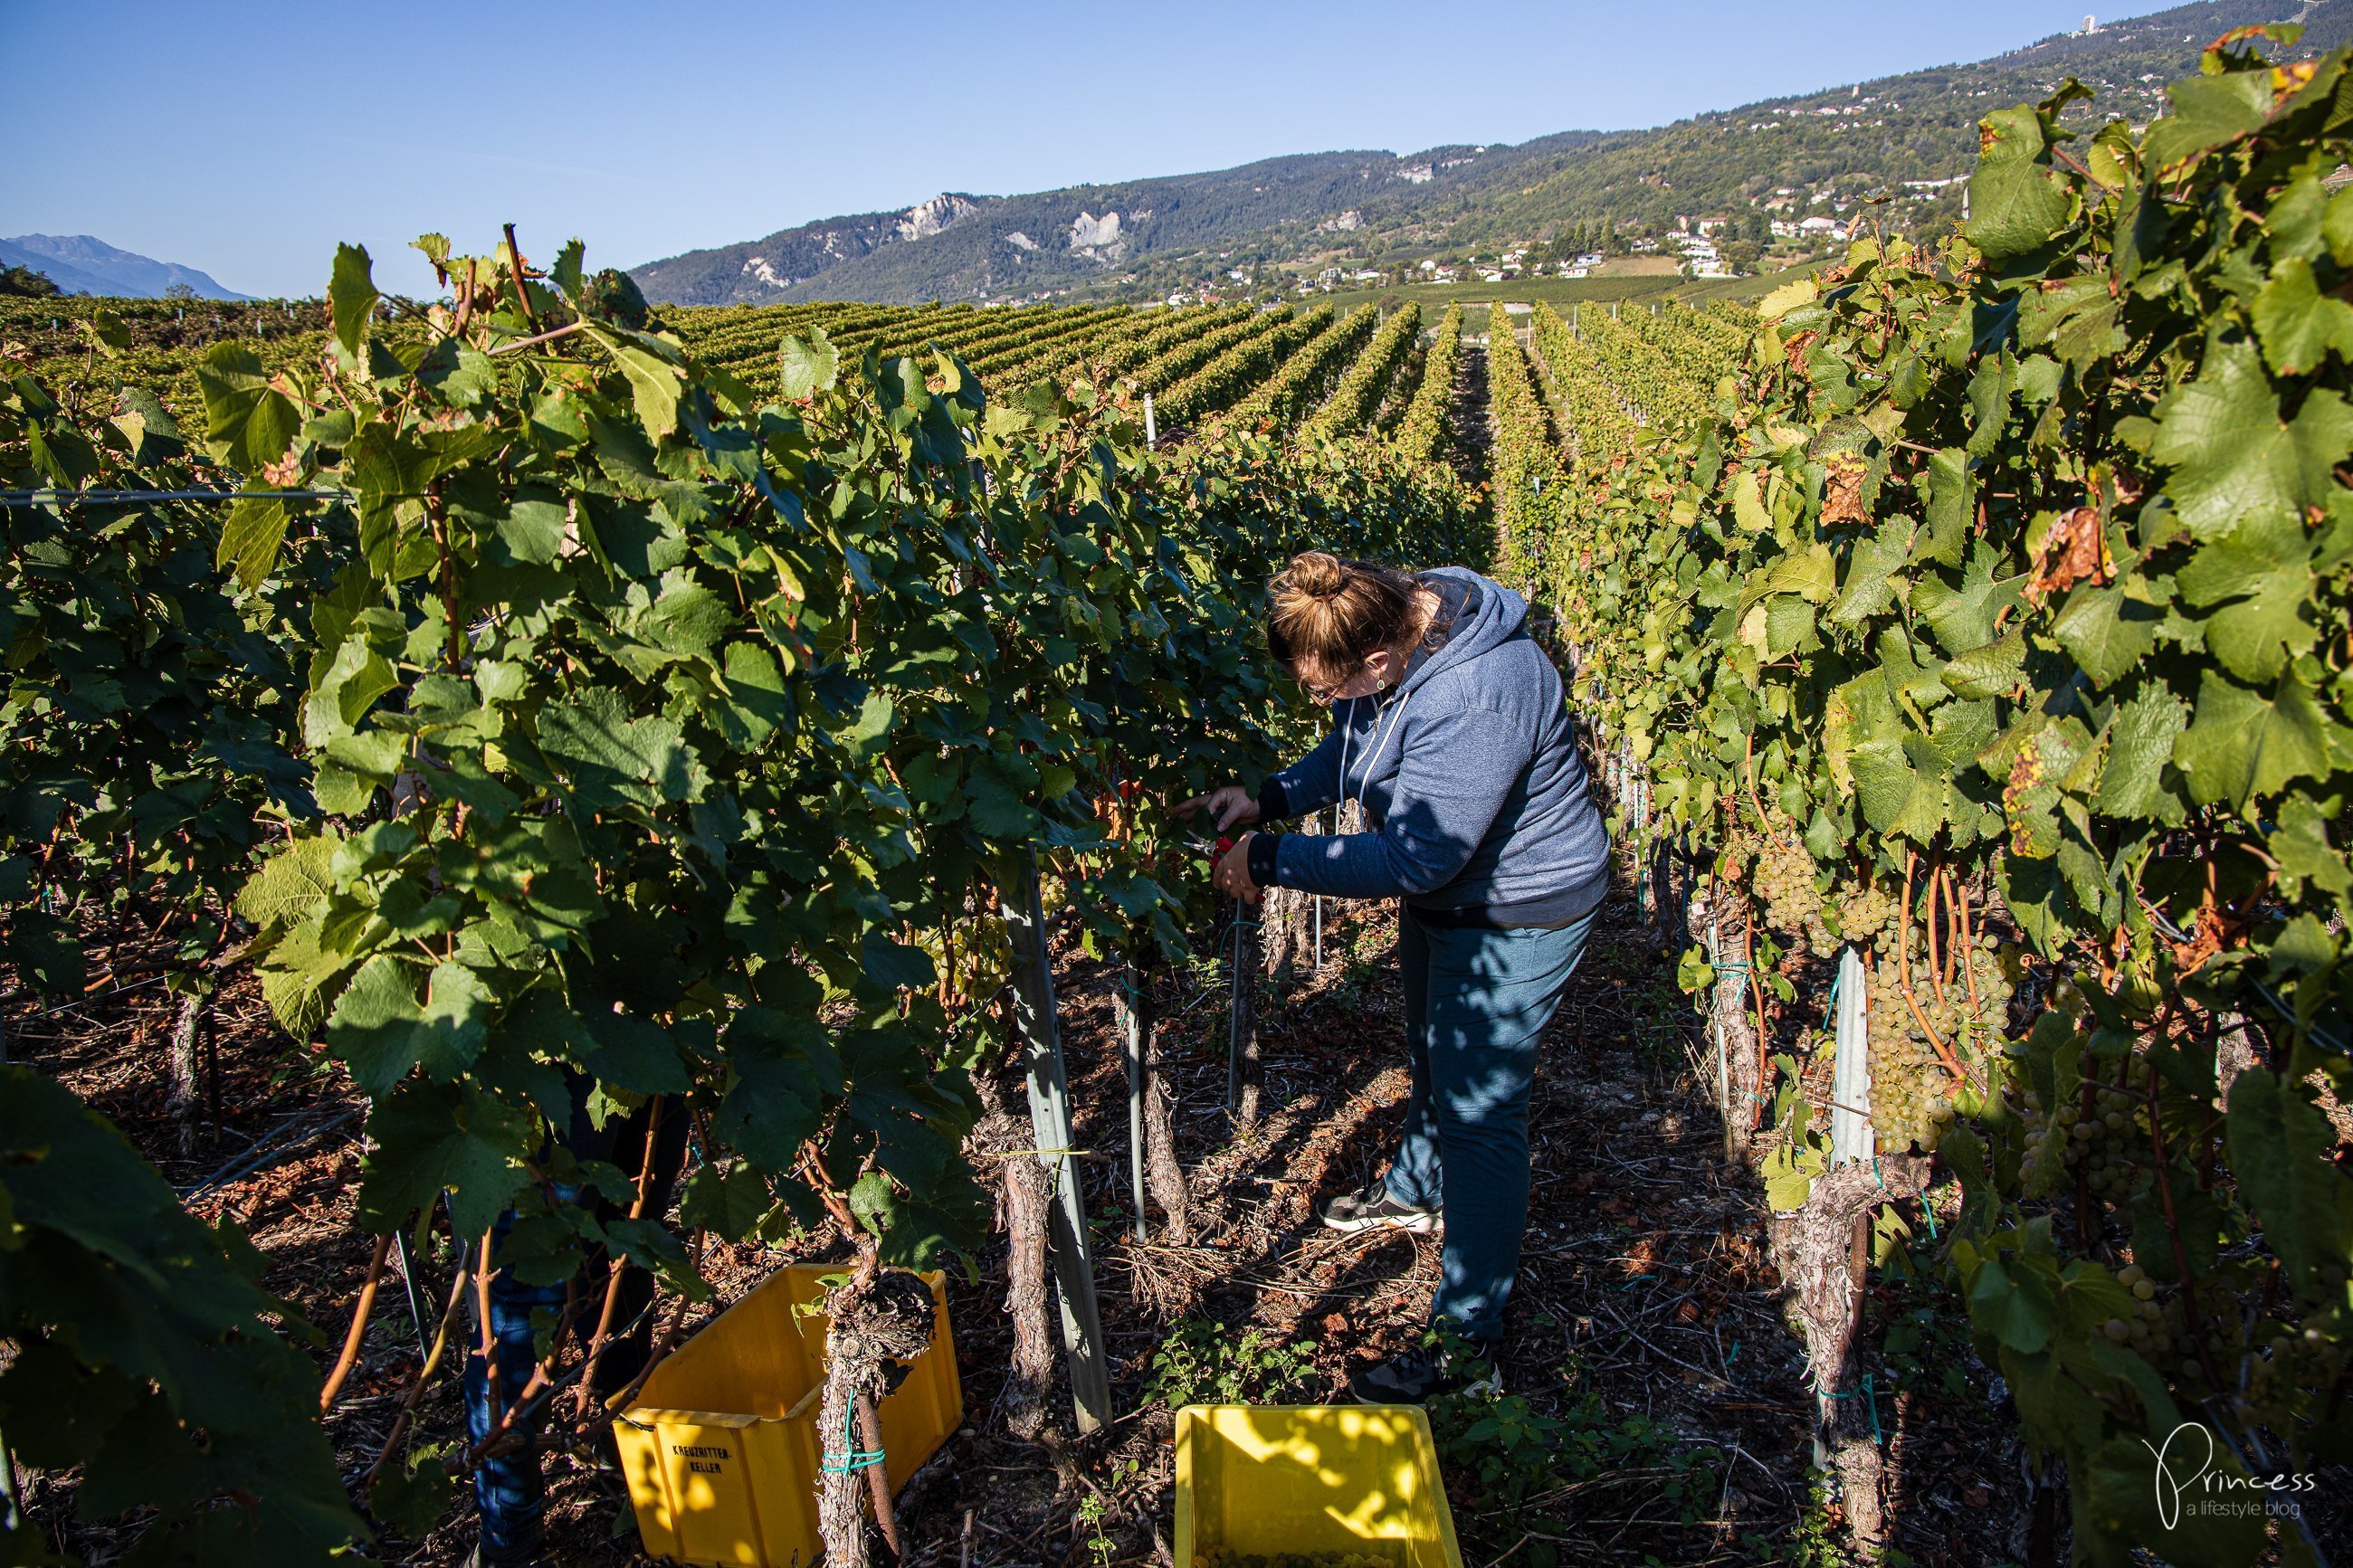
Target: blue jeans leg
1477, 1003
510, 1491
1414, 1176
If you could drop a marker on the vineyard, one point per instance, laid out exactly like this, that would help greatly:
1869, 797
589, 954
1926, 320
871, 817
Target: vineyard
526, 813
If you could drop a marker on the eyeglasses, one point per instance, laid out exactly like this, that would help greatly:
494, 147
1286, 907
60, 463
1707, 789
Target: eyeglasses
1325, 696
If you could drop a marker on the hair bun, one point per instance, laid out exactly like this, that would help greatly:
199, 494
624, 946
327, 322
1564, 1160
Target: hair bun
1319, 574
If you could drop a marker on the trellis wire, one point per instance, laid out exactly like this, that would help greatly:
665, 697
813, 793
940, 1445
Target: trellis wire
133, 498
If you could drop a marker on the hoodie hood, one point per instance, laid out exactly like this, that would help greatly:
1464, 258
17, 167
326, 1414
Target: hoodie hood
1493, 617
1468, 771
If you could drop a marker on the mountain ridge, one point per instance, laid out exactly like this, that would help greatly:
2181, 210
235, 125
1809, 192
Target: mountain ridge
1891, 147
83, 264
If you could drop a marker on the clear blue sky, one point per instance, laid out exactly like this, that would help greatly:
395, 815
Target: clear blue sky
245, 139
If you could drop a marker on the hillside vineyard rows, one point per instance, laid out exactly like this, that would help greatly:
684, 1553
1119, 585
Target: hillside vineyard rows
573, 715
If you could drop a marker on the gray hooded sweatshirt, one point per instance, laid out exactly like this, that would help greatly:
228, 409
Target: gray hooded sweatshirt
1468, 772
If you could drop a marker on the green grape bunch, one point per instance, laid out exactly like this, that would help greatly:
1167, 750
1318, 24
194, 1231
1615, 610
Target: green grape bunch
2147, 1328
1783, 880
1911, 1087
2097, 1136
1867, 914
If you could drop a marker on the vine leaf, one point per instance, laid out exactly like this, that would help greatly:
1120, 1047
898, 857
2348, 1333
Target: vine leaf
250, 535
2015, 202
635, 1054
2243, 745
290, 882
351, 296
727, 1200
2140, 742
895, 965
2301, 845
2299, 325
1987, 671
644, 761
2208, 111
2280, 1148
1872, 570
809, 366
249, 422
2017, 1308
412, 1495
785, 1068
431, 1138
2107, 631
381, 1029
2262, 571
2233, 458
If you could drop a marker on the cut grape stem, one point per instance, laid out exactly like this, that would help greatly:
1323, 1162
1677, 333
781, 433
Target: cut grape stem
1955, 952
1968, 949
1763, 823
1903, 978
1935, 958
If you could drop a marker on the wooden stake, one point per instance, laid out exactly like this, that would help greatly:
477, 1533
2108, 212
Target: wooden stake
489, 1344
877, 1482
186, 1093
1133, 1024
1050, 1121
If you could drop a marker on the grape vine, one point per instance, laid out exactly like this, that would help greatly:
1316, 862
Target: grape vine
2004, 583
629, 732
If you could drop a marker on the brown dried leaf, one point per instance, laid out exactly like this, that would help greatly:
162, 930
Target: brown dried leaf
2024, 775
1842, 494
2073, 552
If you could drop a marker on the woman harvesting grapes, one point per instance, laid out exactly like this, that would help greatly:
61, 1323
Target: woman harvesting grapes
1449, 728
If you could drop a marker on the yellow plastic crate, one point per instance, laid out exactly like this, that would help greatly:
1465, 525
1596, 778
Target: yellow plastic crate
722, 1449
1265, 1478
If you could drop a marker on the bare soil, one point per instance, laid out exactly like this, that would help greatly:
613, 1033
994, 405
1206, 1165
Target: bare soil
1644, 1285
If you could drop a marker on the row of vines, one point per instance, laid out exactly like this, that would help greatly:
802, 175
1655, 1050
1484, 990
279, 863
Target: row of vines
1980, 613
566, 725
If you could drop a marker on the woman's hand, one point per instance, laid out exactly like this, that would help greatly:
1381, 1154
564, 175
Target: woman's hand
1229, 805
1233, 878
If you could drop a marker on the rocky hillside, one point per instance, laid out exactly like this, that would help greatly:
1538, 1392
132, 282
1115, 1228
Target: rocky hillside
1893, 147
960, 247
78, 264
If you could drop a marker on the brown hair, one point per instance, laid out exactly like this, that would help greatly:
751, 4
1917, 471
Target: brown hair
1337, 614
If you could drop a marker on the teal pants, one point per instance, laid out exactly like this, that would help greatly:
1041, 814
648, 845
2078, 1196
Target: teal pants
1476, 1005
